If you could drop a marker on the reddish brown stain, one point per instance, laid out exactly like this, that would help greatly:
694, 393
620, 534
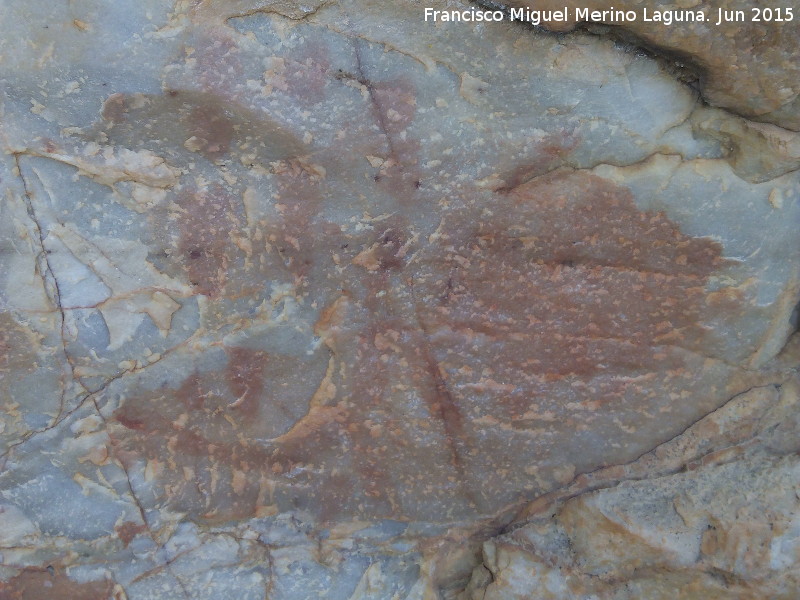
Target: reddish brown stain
207, 223
50, 145
395, 103
574, 280
563, 305
389, 250
47, 584
128, 531
308, 73
206, 438
17, 353
299, 200
115, 109
394, 107
217, 65
212, 129
383, 353
131, 421
193, 439
550, 153
245, 377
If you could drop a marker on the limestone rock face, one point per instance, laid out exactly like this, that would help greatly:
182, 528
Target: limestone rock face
725, 525
743, 54
306, 300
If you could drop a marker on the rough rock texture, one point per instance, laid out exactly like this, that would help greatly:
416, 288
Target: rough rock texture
714, 513
320, 300
743, 56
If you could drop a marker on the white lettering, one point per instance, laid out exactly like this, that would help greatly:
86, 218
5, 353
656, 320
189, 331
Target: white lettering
468, 16
611, 15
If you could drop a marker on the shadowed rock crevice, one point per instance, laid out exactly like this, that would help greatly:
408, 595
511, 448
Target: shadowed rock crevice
727, 61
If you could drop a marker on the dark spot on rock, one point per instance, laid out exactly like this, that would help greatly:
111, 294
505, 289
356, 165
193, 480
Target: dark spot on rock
212, 128
115, 109
129, 420
389, 253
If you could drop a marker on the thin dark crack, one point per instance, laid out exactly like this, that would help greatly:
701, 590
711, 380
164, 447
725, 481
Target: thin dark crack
492, 577
642, 162
444, 406
377, 107
685, 67
90, 396
665, 472
269, 583
49, 280
142, 512
698, 104
794, 321
267, 10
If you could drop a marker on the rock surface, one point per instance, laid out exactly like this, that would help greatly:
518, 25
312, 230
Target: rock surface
742, 54
321, 300
714, 513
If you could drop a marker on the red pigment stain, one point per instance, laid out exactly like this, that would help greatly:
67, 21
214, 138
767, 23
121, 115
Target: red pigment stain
128, 531
394, 107
212, 128
550, 153
206, 224
115, 109
245, 377
194, 440
564, 304
217, 66
45, 584
298, 200
307, 73
571, 281
205, 439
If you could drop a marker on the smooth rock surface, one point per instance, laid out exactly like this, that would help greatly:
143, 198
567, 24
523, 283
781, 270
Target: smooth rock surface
320, 300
